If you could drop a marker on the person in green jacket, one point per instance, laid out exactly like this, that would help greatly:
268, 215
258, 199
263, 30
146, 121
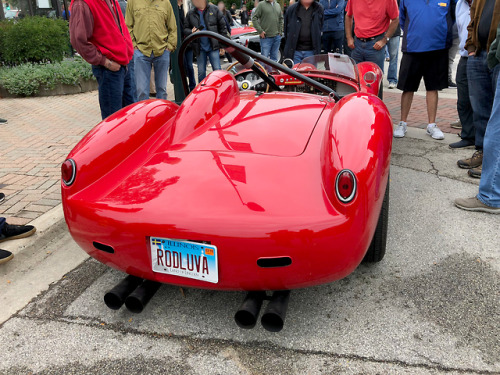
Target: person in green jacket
488, 199
268, 21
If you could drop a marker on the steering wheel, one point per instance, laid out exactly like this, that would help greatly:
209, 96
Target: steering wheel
249, 84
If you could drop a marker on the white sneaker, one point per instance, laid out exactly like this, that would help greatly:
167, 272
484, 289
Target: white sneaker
392, 85
434, 131
400, 130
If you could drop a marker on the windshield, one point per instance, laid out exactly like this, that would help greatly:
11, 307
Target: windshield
333, 62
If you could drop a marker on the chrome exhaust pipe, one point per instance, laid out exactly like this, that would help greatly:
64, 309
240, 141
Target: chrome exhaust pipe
139, 298
115, 298
274, 315
247, 314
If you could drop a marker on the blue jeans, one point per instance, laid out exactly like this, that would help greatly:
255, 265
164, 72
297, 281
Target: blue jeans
143, 74
129, 88
332, 41
269, 47
364, 51
298, 56
489, 186
214, 58
188, 61
111, 87
464, 108
393, 49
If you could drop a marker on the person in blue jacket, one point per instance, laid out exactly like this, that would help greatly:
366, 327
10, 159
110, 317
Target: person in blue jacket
333, 25
427, 37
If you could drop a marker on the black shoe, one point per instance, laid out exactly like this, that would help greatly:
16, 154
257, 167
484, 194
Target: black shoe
462, 143
2, 197
5, 256
13, 232
3, 121
452, 85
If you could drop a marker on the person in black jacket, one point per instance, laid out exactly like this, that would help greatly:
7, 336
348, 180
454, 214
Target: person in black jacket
188, 55
244, 15
303, 25
211, 18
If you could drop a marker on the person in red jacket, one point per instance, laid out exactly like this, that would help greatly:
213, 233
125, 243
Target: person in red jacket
99, 34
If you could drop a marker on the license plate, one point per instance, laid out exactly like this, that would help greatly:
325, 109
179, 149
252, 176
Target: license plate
185, 259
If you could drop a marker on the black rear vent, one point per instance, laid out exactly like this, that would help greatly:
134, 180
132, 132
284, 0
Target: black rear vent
274, 262
102, 247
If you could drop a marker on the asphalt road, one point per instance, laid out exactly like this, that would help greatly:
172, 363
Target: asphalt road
432, 306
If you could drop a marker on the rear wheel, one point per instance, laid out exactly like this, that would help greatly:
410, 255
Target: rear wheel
376, 251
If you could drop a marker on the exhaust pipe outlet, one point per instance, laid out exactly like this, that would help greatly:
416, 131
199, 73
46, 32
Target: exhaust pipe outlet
247, 314
115, 298
139, 298
273, 318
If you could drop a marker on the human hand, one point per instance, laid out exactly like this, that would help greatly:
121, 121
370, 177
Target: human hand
380, 44
472, 53
195, 29
350, 43
263, 34
111, 65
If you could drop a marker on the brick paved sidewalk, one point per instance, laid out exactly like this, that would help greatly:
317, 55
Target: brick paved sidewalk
41, 132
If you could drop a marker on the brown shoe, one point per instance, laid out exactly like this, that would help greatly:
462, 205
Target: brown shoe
475, 172
456, 125
5, 256
475, 161
474, 204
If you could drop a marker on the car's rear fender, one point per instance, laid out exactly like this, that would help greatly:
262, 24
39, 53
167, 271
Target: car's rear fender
368, 83
358, 138
116, 138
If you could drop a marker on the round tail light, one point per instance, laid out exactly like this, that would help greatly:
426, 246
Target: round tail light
370, 78
345, 186
68, 172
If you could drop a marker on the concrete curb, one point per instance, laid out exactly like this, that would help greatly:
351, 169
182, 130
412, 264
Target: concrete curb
45, 225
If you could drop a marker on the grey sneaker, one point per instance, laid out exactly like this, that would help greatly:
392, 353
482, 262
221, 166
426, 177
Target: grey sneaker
392, 85
400, 131
474, 204
434, 132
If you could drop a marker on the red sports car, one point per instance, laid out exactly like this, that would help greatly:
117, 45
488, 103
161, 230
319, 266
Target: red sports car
265, 178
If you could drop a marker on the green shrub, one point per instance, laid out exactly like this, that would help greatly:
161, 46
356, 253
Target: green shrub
34, 39
4, 30
27, 79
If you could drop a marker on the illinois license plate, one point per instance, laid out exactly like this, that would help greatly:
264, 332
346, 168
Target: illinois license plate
185, 259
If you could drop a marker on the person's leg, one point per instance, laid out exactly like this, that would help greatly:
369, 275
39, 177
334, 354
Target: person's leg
373, 55
161, 65
129, 89
188, 61
464, 107
142, 71
393, 47
452, 53
489, 186
337, 40
265, 46
297, 57
431, 99
480, 93
110, 88
325, 41
202, 65
357, 53
406, 100
214, 59
275, 47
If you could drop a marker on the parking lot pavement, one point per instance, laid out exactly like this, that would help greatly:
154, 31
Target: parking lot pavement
432, 306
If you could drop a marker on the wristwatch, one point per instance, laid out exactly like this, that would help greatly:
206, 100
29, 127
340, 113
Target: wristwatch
387, 39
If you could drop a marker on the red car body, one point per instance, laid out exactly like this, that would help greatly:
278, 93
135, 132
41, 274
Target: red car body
252, 174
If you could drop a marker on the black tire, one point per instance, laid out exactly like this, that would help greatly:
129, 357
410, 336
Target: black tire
376, 251
381, 91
